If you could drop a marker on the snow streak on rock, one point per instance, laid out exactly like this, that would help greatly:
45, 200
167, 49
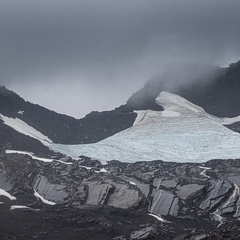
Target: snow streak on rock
13, 207
47, 160
157, 217
36, 194
203, 173
22, 127
6, 194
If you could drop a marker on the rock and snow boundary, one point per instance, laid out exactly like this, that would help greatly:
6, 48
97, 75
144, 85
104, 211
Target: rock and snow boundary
183, 132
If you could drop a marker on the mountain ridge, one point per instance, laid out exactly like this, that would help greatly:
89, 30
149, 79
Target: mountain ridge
47, 195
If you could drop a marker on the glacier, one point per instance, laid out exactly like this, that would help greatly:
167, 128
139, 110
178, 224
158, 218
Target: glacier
183, 132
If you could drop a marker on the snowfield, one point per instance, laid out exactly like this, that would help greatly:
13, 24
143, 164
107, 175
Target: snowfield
183, 132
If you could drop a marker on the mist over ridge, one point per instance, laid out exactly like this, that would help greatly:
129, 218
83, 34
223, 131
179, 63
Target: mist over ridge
68, 56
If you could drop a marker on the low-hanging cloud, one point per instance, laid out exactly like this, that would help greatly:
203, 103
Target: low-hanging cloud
78, 56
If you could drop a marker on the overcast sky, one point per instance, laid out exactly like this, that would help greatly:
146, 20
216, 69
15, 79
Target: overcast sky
76, 56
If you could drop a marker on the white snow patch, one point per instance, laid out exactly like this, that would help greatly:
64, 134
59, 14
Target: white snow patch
22, 127
203, 173
19, 207
218, 218
140, 116
160, 181
35, 157
20, 112
228, 121
88, 168
192, 136
18, 152
36, 194
158, 218
102, 170
6, 194
173, 102
29, 154
67, 163
133, 183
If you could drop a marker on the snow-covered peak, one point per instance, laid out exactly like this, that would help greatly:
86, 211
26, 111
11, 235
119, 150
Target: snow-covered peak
173, 102
174, 105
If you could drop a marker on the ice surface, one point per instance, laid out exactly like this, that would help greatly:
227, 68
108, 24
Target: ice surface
22, 127
183, 132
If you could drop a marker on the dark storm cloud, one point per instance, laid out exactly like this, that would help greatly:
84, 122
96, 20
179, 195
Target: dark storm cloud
80, 55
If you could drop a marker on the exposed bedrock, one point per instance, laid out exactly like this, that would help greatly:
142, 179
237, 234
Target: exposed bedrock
174, 193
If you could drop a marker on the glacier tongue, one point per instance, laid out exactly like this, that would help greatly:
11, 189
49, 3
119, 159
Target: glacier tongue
183, 132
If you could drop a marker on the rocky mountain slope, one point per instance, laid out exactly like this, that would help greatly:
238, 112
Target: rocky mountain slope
62, 199
94, 127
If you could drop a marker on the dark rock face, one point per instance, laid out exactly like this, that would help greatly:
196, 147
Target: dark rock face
94, 127
195, 201
218, 95
69, 183
11, 139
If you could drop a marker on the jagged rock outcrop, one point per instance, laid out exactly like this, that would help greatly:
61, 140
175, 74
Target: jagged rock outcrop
68, 183
92, 128
61, 198
200, 197
216, 92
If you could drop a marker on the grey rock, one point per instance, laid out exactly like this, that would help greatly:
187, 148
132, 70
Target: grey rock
124, 196
169, 183
146, 233
164, 203
120, 238
186, 191
217, 192
4, 183
98, 193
